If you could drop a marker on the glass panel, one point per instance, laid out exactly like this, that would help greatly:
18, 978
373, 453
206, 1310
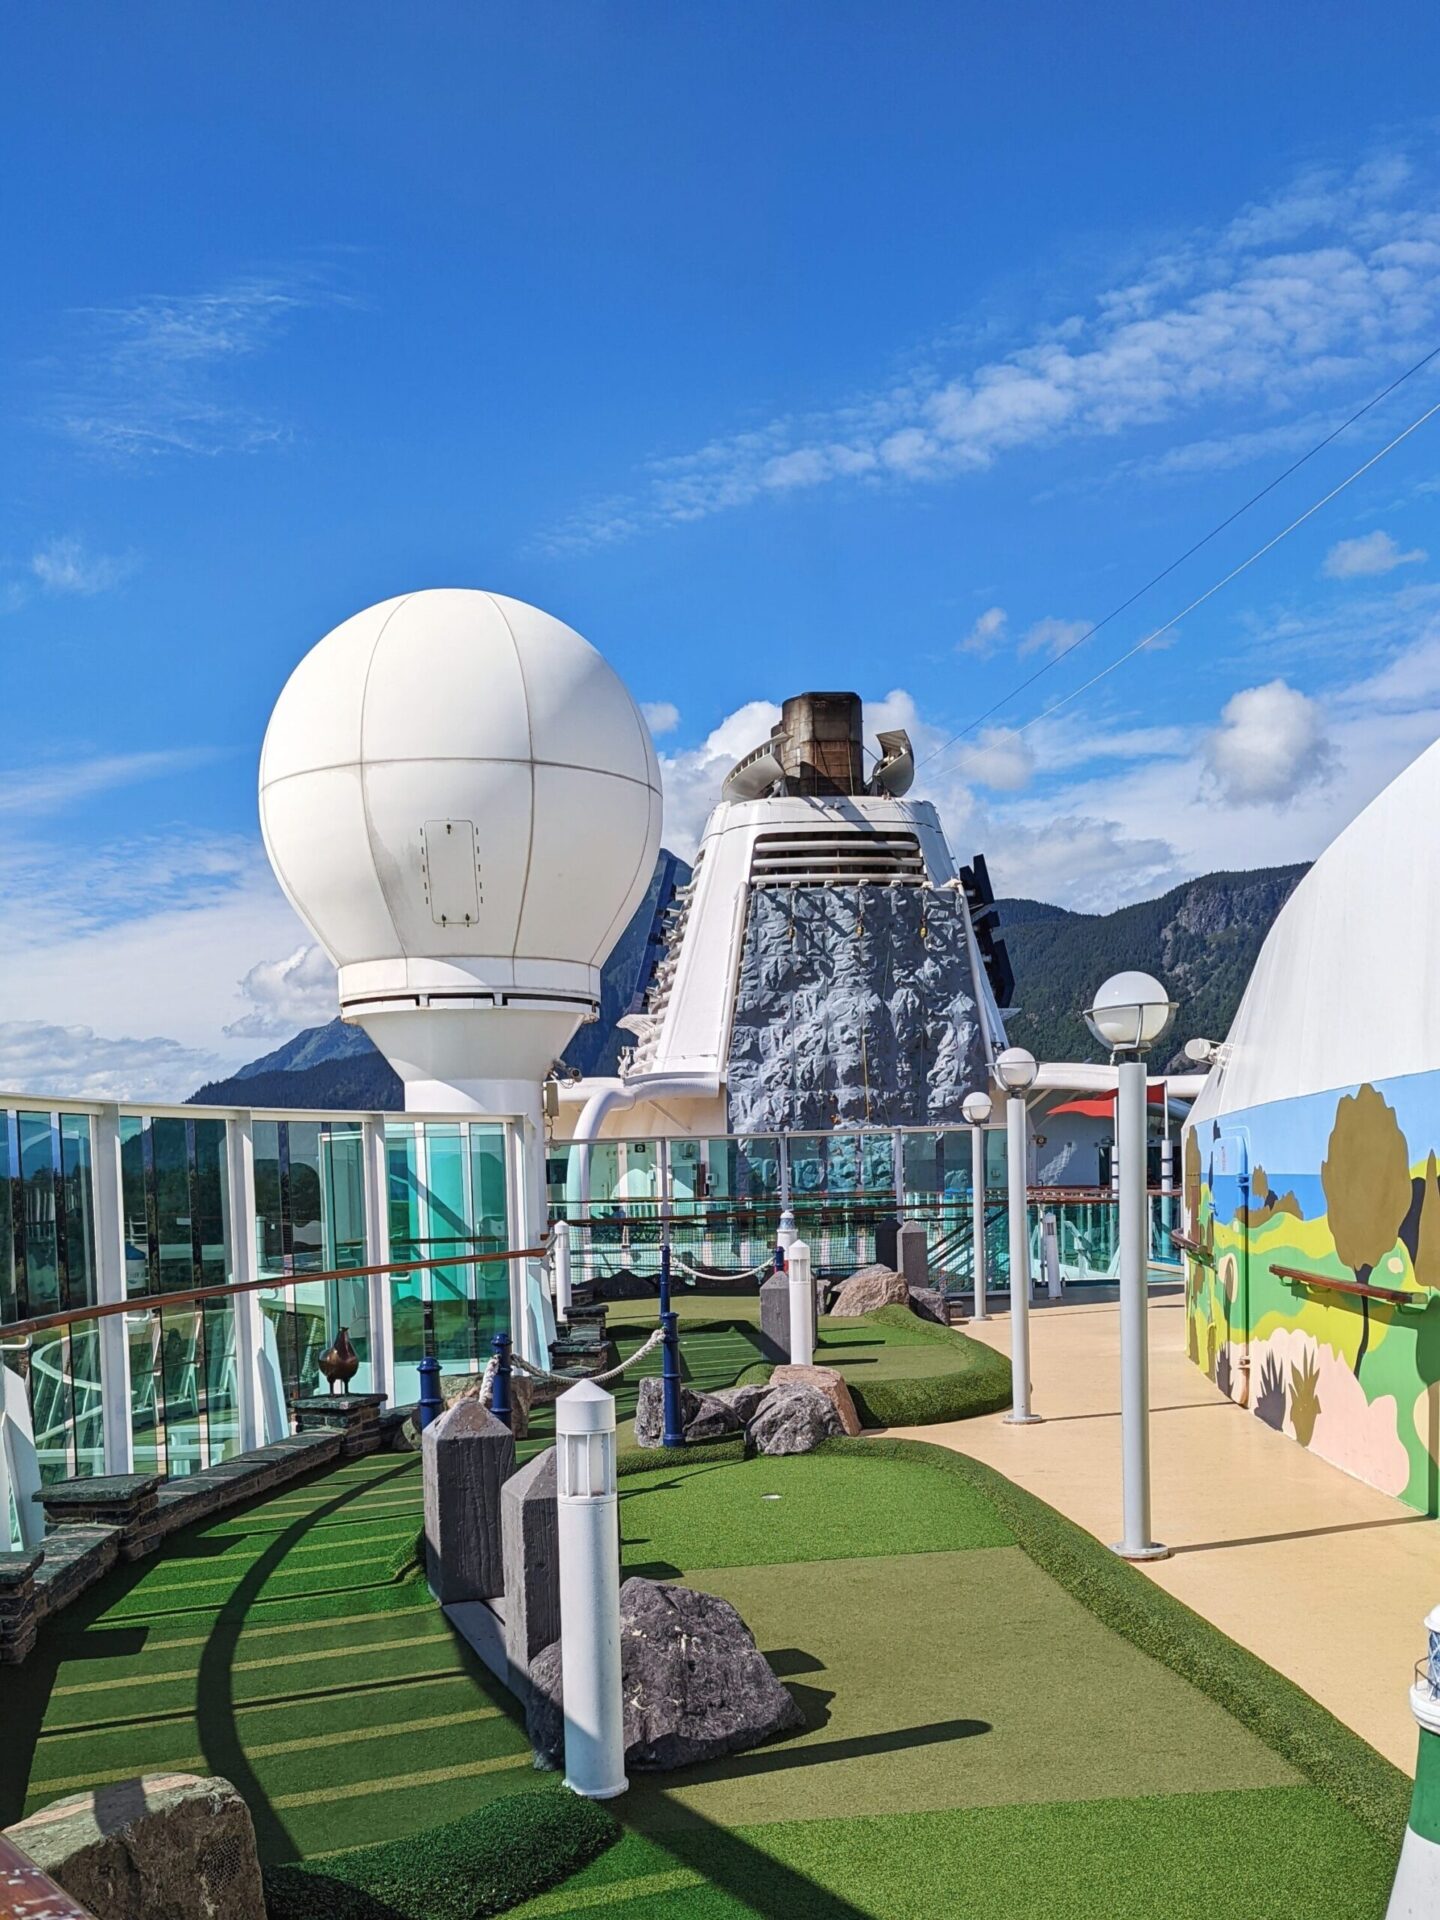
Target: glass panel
269, 1215
402, 1160
307, 1228
85, 1398
37, 1172
171, 1159
209, 1229
75, 1160
222, 1418
182, 1360
343, 1150
50, 1403
133, 1204
12, 1213
147, 1427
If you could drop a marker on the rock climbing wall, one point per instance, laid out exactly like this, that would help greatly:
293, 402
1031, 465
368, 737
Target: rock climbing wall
855, 1007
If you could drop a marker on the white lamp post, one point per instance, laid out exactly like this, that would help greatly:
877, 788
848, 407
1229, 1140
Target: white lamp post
1131, 1012
976, 1108
1015, 1069
587, 1509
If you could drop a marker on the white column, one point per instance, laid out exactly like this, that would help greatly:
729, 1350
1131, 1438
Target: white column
1017, 1174
587, 1511
978, 1147
377, 1254
110, 1289
257, 1422
1134, 1225
560, 1251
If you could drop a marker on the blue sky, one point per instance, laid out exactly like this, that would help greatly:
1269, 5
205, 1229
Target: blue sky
772, 346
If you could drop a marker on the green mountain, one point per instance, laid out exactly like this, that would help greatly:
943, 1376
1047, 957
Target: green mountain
1201, 939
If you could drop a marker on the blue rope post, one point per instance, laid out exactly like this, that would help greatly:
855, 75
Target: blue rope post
664, 1276
673, 1421
430, 1405
500, 1391
779, 1258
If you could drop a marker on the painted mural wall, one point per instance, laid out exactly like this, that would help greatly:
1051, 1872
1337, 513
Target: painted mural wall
1343, 1186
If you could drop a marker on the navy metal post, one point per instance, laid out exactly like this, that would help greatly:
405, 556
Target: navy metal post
665, 1272
430, 1404
500, 1389
673, 1427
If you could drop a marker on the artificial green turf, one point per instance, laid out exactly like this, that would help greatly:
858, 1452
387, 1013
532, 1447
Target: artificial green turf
1276, 1853
1356, 1778
290, 1647
832, 1508
900, 1712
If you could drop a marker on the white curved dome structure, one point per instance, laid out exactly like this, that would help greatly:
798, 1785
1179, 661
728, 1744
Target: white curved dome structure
461, 800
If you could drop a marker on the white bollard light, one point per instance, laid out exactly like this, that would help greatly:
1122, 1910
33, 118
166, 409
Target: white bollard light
802, 1304
787, 1233
1050, 1256
587, 1508
560, 1242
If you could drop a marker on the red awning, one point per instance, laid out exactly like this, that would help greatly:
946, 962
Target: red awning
1100, 1106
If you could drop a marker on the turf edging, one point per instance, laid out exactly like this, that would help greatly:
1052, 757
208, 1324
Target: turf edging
975, 1380
1279, 1713
485, 1863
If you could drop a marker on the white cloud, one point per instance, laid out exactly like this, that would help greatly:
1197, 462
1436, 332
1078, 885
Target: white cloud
1334, 281
286, 995
76, 1063
1270, 745
1053, 636
1091, 865
999, 758
64, 566
661, 716
1368, 553
987, 633
156, 376
49, 786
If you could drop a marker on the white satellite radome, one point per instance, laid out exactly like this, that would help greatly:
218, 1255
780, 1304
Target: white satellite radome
461, 800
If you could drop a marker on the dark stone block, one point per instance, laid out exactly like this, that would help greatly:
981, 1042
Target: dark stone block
913, 1255
775, 1317
530, 1545
467, 1456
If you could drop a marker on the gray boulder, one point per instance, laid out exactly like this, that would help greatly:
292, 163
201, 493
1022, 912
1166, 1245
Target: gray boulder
792, 1420
746, 1401
163, 1846
868, 1289
929, 1304
695, 1685
705, 1416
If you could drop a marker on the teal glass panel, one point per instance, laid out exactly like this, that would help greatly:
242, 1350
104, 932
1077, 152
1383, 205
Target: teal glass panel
38, 1141
171, 1177
89, 1447
407, 1313
11, 1214
449, 1232
78, 1185
50, 1403
490, 1284
343, 1164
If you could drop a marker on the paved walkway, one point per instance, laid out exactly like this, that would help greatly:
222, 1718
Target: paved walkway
1323, 1577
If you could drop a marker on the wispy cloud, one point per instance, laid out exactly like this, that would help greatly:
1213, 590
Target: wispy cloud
157, 376
1327, 285
1368, 553
285, 995
51, 785
65, 565
987, 634
37, 1056
661, 716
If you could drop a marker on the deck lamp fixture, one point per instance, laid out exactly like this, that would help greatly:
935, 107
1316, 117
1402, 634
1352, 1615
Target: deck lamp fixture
1131, 1012
977, 1108
1016, 1069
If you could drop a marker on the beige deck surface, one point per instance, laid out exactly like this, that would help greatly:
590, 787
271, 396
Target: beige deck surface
1324, 1578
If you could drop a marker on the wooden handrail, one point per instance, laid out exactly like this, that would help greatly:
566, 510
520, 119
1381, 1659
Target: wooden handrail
28, 1893
1323, 1282
143, 1302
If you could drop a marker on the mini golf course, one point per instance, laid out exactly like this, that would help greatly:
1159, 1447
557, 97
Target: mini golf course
1001, 1719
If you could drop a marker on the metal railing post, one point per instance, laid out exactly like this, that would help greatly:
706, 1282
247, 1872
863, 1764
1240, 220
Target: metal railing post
500, 1391
673, 1415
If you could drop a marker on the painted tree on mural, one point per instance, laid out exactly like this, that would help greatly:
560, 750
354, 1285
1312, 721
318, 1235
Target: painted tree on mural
1366, 1178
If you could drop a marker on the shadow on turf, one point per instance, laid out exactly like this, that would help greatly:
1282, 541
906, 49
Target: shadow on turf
760, 1883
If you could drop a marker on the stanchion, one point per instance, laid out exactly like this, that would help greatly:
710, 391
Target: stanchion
430, 1405
802, 1306
500, 1389
672, 1414
560, 1241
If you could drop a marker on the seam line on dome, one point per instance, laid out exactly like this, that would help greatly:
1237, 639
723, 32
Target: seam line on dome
530, 744
467, 759
403, 601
